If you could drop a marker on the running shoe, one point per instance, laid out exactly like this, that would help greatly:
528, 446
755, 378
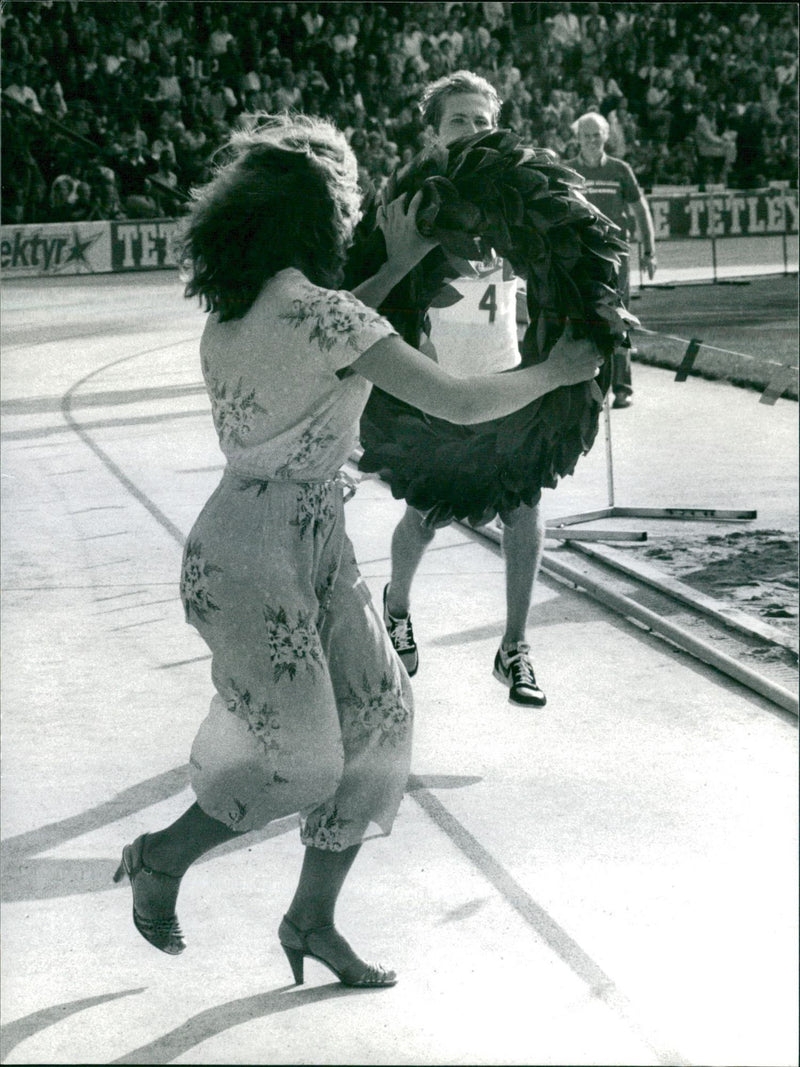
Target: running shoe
401, 635
513, 668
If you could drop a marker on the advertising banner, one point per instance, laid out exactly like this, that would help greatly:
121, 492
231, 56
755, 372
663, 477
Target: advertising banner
724, 214
55, 248
86, 247
142, 245
147, 244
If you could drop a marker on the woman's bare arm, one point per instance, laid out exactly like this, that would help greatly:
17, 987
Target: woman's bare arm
401, 370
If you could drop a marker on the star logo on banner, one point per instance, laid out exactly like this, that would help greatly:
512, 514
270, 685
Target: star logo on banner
77, 252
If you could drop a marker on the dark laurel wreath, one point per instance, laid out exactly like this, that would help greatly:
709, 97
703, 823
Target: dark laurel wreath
483, 193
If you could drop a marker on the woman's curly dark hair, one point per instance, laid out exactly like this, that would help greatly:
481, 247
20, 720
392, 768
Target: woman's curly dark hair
286, 197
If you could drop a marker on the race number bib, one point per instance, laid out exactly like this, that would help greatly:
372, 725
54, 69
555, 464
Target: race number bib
477, 334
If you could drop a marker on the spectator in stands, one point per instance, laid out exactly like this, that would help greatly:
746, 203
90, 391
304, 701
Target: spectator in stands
137, 47
16, 86
786, 71
658, 113
317, 82
412, 85
565, 32
132, 170
594, 40
596, 91
511, 118
749, 58
412, 38
64, 193
612, 186
24, 188
715, 153
769, 94
621, 27
593, 21
113, 58
168, 86
374, 158
566, 141
158, 184
286, 94
622, 130
105, 201
452, 33
523, 96
494, 14
312, 19
370, 83
79, 117
220, 36
229, 65
343, 37
221, 102
163, 142
508, 75
51, 94
683, 120
475, 35
552, 109
190, 150
174, 25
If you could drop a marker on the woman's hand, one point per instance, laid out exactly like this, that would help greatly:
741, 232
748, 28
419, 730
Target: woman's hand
404, 249
404, 245
572, 361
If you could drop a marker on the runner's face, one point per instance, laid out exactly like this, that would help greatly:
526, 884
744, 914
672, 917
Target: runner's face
463, 115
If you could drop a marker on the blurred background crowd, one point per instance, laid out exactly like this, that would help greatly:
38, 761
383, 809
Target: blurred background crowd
113, 108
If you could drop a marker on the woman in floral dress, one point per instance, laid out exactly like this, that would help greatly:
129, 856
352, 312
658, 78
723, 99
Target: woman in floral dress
313, 710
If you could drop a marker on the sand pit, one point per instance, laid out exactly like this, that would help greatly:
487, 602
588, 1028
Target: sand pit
754, 570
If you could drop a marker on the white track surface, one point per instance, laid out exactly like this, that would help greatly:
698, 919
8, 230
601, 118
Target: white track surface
612, 880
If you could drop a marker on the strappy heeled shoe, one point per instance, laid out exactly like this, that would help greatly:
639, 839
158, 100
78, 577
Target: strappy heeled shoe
296, 943
164, 932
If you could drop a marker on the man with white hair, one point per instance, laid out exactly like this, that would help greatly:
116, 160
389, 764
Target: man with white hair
612, 187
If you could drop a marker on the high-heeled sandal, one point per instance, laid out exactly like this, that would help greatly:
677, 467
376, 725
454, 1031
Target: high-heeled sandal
164, 933
295, 943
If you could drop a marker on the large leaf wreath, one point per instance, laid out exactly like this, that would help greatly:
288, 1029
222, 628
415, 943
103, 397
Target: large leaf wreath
490, 192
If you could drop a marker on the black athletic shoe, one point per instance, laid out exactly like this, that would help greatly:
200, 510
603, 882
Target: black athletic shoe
622, 400
401, 635
513, 668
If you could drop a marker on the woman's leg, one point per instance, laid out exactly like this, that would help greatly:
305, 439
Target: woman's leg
321, 879
174, 849
155, 864
307, 928
375, 707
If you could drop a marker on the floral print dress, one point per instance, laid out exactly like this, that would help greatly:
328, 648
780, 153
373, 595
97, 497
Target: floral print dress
313, 710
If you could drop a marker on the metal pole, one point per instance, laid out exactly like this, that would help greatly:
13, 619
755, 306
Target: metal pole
783, 235
609, 457
712, 232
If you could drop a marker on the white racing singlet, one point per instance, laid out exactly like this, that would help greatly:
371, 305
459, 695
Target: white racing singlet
478, 333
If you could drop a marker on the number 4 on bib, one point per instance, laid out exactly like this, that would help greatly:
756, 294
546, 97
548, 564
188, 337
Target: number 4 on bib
488, 301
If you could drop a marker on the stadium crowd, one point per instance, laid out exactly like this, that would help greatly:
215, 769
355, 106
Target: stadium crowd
113, 109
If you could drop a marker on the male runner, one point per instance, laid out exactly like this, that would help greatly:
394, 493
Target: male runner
476, 335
